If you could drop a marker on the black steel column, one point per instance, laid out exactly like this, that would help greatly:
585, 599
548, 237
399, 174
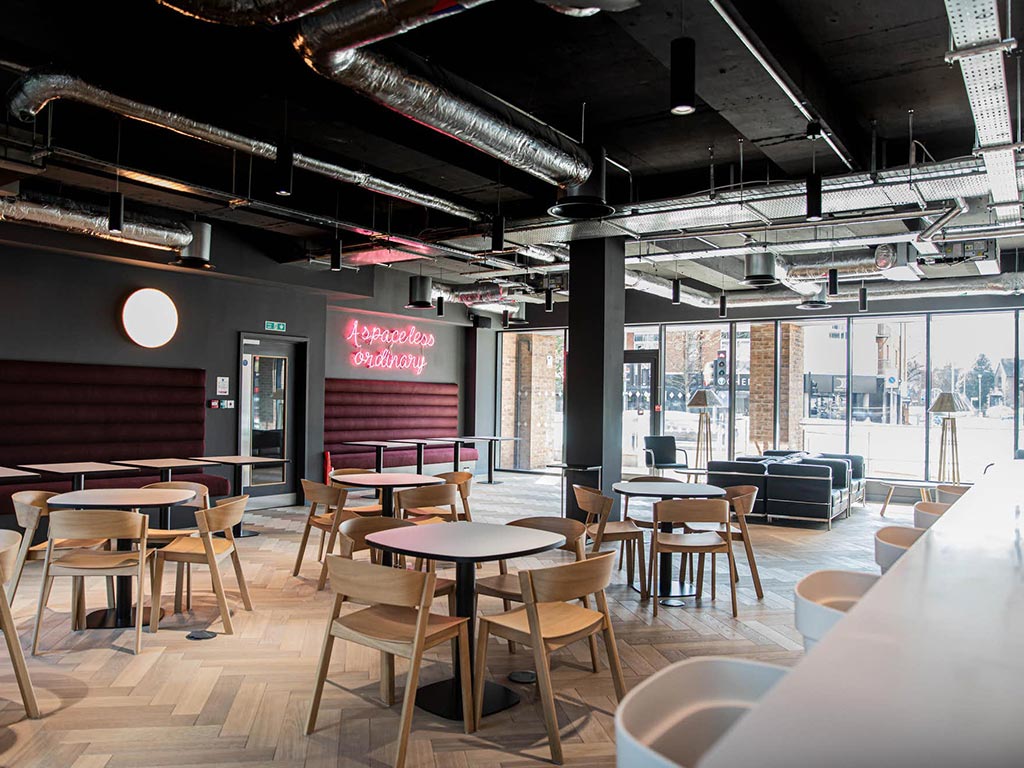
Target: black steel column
593, 368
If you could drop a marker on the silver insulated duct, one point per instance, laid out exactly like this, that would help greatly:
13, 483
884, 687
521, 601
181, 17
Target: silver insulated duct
455, 107
34, 91
246, 12
73, 217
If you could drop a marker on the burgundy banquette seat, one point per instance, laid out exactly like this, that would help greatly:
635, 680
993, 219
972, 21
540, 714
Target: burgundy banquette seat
61, 412
369, 409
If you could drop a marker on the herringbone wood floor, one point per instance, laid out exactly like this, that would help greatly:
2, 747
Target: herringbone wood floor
241, 700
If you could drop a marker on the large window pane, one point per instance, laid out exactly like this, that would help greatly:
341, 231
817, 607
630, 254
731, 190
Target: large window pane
812, 386
972, 355
755, 388
530, 402
693, 354
888, 398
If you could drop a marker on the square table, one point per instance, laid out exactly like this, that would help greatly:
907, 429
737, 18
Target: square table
378, 446
166, 466
421, 443
564, 467
236, 463
492, 441
77, 470
8, 475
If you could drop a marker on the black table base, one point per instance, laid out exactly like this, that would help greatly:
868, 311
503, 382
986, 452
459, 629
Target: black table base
444, 698
490, 463
107, 618
239, 531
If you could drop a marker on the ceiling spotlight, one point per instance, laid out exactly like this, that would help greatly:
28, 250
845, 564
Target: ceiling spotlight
683, 76
723, 305
549, 299
336, 255
759, 269
677, 290
814, 197
833, 282
115, 220
816, 301
420, 289
283, 167
862, 299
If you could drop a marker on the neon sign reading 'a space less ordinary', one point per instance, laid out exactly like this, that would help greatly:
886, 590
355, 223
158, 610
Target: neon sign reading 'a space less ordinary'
372, 347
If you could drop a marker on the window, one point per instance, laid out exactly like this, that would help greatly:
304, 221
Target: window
696, 358
812, 386
530, 401
887, 409
755, 388
973, 356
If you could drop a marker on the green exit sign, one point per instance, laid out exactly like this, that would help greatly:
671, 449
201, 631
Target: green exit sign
273, 325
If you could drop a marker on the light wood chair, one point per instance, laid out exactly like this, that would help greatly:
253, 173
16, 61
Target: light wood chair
331, 498
200, 501
505, 585
712, 542
550, 619
949, 494
597, 508
741, 500
204, 549
464, 482
80, 563
429, 501
646, 525
363, 510
398, 622
10, 553
30, 508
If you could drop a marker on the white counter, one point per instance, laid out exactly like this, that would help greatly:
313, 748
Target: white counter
927, 670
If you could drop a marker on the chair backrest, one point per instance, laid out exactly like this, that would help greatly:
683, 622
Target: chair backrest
202, 497
597, 508
10, 543
570, 581
573, 530
229, 500
358, 528
446, 495
742, 499
332, 496
464, 481
337, 474
30, 506
691, 511
662, 449
368, 583
222, 517
97, 524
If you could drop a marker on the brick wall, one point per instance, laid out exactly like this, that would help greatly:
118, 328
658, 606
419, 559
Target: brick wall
791, 386
762, 385
529, 382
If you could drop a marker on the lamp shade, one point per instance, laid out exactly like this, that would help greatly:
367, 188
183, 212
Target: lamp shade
683, 57
949, 402
704, 398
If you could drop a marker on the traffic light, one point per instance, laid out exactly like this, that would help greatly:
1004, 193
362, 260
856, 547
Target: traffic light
721, 371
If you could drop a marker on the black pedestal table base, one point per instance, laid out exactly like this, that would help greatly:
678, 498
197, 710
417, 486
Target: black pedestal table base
444, 698
107, 618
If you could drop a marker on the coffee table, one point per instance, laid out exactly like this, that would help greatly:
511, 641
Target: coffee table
465, 544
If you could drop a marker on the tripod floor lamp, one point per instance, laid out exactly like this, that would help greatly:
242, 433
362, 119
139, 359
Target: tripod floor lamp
947, 405
703, 400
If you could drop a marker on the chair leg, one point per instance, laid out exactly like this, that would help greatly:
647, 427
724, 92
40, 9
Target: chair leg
595, 665
28, 694
218, 591
622, 553
188, 586
629, 561
408, 705
753, 568
76, 603
321, 675
387, 678
613, 660
479, 670
468, 711
655, 563
507, 605
732, 586
110, 592
639, 546
322, 582
44, 596
157, 596
19, 565
302, 548
547, 699
243, 588
179, 585
140, 610
700, 577
714, 564
320, 548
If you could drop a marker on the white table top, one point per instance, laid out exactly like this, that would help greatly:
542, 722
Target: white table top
925, 670
76, 467
166, 463
669, 490
16, 474
465, 542
388, 480
121, 498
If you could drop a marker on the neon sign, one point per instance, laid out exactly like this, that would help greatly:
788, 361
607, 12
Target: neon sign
372, 347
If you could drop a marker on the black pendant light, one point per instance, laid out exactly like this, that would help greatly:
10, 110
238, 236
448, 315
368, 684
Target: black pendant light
549, 299
498, 233
115, 220
862, 299
420, 288
814, 179
833, 282
336, 255
677, 290
723, 307
283, 167
682, 88
504, 319
439, 302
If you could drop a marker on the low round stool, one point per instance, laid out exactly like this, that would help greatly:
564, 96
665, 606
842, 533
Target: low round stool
822, 598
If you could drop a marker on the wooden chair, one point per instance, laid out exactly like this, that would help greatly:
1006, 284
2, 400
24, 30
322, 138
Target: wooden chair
597, 508
363, 510
87, 561
200, 501
550, 619
10, 553
506, 586
741, 500
464, 482
949, 494
398, 622
332, 498
429, 501
712, 542
30, 508
646, 525
204, 549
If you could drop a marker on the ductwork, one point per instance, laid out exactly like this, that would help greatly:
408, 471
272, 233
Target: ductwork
73, 217
659, 286
455, 107
478, 293
815, 266
940, 223
34, 91
246, 12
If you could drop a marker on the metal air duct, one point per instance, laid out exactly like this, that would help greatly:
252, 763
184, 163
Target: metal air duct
586, 200
245, 12
197, 254
34, 91
759, 269
659, 286
455, 107
74, 217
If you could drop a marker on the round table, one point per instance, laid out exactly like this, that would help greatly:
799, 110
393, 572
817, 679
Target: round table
119, 498
465, 544
662, 492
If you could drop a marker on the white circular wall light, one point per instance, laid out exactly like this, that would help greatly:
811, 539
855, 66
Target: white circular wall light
150, 318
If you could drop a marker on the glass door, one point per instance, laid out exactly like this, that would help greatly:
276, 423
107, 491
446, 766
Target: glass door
640, 407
